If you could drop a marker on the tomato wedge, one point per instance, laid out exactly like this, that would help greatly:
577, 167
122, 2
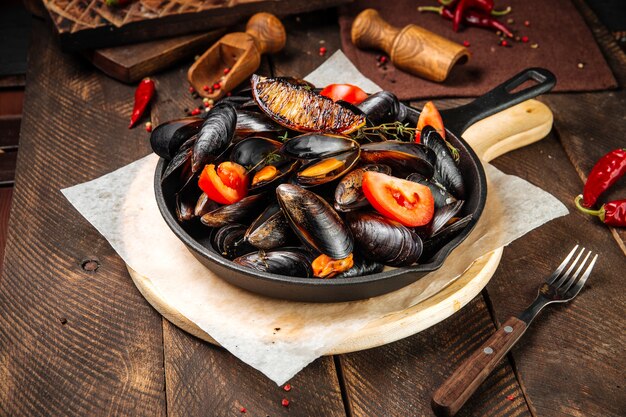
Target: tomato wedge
346, 92
407, 202
226, 185
429, 117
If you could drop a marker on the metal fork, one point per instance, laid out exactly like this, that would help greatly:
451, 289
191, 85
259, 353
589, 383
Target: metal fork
560, 287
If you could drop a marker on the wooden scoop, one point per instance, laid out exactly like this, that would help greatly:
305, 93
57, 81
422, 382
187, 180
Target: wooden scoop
236, 56
412, 49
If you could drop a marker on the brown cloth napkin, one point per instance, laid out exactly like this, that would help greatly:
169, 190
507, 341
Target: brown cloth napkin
564, 41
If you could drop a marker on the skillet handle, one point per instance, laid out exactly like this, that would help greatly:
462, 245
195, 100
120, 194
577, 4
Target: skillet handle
458, 119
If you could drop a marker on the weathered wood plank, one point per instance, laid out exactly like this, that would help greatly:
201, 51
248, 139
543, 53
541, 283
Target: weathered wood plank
399, 379
571, 360
7, 166
76, 337
6, 196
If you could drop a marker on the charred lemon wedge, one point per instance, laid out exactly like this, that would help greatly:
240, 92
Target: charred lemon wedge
297, 107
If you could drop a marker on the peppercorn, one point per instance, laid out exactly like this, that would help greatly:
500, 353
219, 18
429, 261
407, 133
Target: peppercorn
148, 127
287, 387
226, 71
285, 402
322, 50
525, 39
205, 87
196, 111
466, 43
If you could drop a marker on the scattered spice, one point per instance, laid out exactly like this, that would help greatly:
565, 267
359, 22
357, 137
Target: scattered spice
527, 23
510, 21
466, 43
285, 402
217, 86
510, 397
191, 90
503, 42
287, 387
226, 71
143, 95
196, 111
525, 39
581, 65
534, 45
243, 409
323, 50
205, 87
207, 102
63, 320
148, 127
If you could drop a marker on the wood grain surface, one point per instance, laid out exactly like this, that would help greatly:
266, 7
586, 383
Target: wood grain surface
77, 338
6, 196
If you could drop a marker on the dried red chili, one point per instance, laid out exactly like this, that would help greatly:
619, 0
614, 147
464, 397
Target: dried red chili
612, 213
143, 95
603, 175
471, 18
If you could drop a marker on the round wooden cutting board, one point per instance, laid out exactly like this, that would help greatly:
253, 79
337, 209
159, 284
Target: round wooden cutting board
510, 129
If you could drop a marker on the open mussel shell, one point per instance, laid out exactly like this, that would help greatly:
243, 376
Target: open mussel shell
180, 163
384, 240
349, 192
441, 196
229, 241
404, 158
446, 170
251, 151
204, 205
215, 135
251, 122
440, 219
167, 138
381, 107
270, 230
433, 244
314, 221
290, 262
186, 200
317, 145
243, 211
324, 171
362, 266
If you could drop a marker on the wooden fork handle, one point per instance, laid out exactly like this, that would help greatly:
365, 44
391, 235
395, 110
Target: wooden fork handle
460, 386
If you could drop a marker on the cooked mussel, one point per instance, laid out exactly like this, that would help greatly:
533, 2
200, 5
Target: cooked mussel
253, 122
315, 222
404, 158
436, 242
349, 194
362, 266
446, 170
317, 145
229, 241
324, 171
242, 211
440, 194
381, 107
293, 263
384, 240
204, 205
443, 216
167, 138
180, 163
299, 108
270, 230
253, 150
215, 135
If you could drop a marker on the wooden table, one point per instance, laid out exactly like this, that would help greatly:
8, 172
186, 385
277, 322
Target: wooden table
77, 338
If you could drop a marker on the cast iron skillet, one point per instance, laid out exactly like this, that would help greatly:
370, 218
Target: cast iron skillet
456, 120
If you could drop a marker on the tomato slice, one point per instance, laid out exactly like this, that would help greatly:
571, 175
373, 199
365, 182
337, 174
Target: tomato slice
430, 117
226, 185
346, 92
407, 202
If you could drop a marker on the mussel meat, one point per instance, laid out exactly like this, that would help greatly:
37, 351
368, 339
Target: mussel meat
446, 170
324, 171
349, 194
293, 263
384, 240
167, 138
315, 222
215, 135
362, 266
404, 158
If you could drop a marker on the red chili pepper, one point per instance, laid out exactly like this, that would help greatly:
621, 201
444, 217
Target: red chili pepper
604, 174
471, 18
143, 95
612, 213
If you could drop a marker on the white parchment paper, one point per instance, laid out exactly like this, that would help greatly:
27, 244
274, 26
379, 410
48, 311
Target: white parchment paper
122, 207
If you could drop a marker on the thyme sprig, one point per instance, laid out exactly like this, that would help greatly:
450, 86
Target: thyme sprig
269, 158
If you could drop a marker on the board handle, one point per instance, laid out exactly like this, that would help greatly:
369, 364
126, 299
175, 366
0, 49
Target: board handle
268, 32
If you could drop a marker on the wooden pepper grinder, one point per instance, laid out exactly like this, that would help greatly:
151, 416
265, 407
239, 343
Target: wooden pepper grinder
412, 49
236, 56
